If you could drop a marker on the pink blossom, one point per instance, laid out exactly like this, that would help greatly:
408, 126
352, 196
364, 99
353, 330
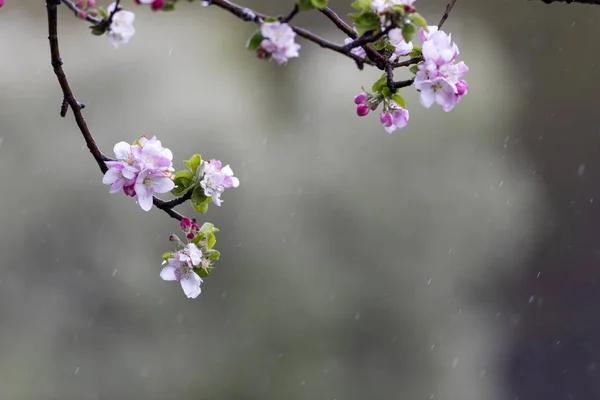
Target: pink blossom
279, 41
395, 118
439, 48
362, 110
140, 170
177, 270
216, 179
425, 35
402, 48
151, 181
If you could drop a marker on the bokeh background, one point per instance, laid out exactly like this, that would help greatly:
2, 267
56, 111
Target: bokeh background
457, 259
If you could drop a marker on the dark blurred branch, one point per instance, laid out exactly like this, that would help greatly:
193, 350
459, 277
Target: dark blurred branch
69, 101
446, 13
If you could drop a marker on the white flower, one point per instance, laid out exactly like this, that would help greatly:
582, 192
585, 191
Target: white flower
279, 41
121, 29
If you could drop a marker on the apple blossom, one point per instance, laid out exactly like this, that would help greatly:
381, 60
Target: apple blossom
121, 29
402, 48
216, 179
178, 270
395, 118
439, 48
279, 41
140, 170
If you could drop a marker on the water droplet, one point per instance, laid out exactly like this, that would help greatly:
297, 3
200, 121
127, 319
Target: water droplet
114, 272
455, 362
429, 281
531, 299
581, 169
501, 184
357, 316
76, 370
302, 383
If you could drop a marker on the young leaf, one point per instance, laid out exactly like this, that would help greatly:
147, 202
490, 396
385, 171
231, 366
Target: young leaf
193, 163
319, 4
199, 200
417, 19
305, 5
184, 181
379, 84
408, 32
399, 100
414, 69
254, 41
361, 5
366, 21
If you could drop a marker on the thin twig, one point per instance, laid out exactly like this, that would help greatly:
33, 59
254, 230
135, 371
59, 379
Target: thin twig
76, 107
597, 2
446, 13
291, 15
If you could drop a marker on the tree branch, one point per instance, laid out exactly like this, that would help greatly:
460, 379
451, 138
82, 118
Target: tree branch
70, 102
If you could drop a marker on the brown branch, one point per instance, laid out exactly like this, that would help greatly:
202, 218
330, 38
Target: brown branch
76, 107
446, 13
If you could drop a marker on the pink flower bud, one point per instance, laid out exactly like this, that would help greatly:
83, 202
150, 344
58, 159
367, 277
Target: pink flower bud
171, 237
386, 119
157, 5
91, 3
190, 235
360, 98
185, 223
82, 14
410, 9
362, 110
1, 3
462, 86
129, 190
262, 54
195, 227
79, 3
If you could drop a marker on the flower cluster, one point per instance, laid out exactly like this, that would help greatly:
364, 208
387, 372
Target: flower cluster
278, 41
140, 170
193, 259
215, 179
393, 115
439, 78
121, 29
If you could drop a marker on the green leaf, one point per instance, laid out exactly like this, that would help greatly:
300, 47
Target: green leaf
381, 83
168, 7
399, 100
415, 53
97, 30
207, 228
319, 4
193, 163
414, 69
213, 255
167, 255
417, 19
203, 272
381, 44
408, 32
366, 21
305, 5
199, 200
103, 13
361, 5
184, 181
254, 41
385, 92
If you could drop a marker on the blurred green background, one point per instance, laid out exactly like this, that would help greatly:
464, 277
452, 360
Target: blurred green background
457, 259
